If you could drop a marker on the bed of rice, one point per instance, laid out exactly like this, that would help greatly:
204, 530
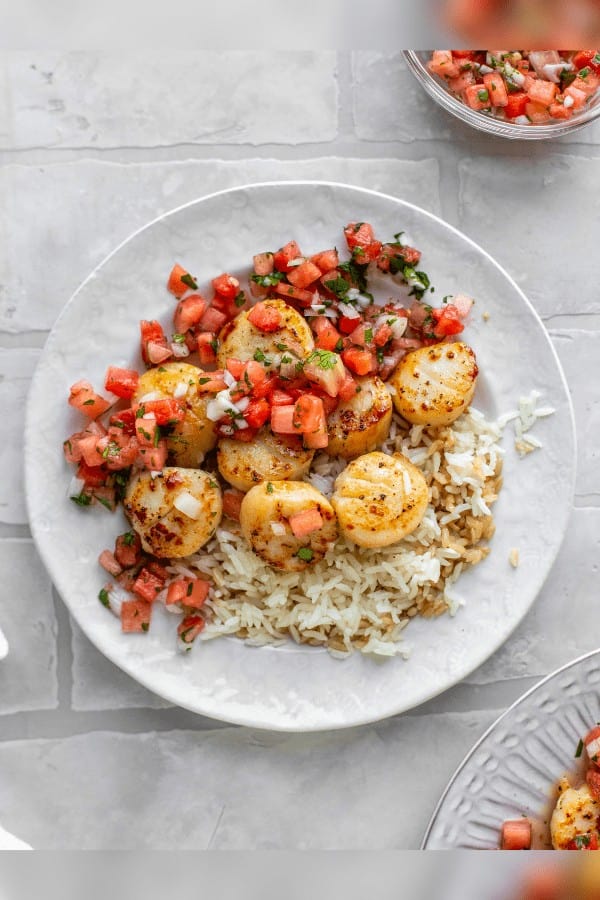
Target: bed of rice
358, 599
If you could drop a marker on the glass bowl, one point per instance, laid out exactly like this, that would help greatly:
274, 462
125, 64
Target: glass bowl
417, 64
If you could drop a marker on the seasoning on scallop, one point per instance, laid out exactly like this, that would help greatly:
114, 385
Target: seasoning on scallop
575, 817
289, 524
176, 512
360, 424
435, 385
270, 327
379, 499
190, 439
277, 457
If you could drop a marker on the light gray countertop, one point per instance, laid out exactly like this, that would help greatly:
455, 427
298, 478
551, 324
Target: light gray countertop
92, 147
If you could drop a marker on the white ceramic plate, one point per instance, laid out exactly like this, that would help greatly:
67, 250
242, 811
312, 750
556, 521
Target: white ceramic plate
512, 770
292, 688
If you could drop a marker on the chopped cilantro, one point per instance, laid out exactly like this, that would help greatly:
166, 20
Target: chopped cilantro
268, 280
128, 538
179, 338
483, 96
380, 356
240, 299
156, 437
205, 380
189, 281
82, 499
89, 402
583, 73
398, 235
567, 78
145, 626
305, 553
140, 411
356, 274
582, 841
282, 347
368, 335
579, 750
270, 488
325, 359
190, 589
103, 598
338, 286
340, 345
104, 502
214, 344
161, 369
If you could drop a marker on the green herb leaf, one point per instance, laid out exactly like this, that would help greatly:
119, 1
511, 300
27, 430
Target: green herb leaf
82, 499
89, 402
368, 335
356, 273
145, 626
338, 286
270, 488
305, 553
240, 299
268, 280
203, 380
483, 96
103, 598
189, 281
140, 412
128, 538
190, 589
325, 359
340, 345
179, 338
579, 750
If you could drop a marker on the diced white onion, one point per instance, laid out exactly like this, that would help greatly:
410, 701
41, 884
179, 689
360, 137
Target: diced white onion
228, 378
389, 361
348, 311
518, 78
240, 425
568, 101
315, 311
187, 504
227, 430
180, 351
296, 262
553, 71
181, 390
148, 398
522, 120
277, 528
156, 473
76, 485
243, 404
330, 313
149, 417
399, 327
486, 70
288, 370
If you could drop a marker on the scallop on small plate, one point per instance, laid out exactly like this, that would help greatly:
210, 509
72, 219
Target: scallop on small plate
295, 687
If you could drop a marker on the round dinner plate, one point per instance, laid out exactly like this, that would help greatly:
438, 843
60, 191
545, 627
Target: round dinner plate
513, 769
295, 688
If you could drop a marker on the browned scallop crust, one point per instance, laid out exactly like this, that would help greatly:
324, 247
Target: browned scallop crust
361, 424
435, 385
271, 456
240, 339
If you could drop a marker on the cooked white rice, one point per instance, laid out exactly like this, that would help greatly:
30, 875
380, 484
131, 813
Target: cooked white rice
359, 599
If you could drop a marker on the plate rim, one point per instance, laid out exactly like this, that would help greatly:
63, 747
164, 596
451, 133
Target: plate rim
29, 433
491, 728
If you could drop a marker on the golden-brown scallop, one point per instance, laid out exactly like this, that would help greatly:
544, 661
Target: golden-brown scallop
276, 457
361, 424
240, 339
576, 813
265, 519
379, 499
191, 439
174, 513
435, 385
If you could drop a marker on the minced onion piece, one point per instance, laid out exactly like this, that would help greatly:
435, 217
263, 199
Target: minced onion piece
187, 504
222, 405
76, 486
315, 311
355, 296
148, 398
277, 528
227, 430
521, 120
389, 361
180, 351
181, 390
553, 71
228, 378
486, 70
240, 425
348, 311
568, 102
288, 369
155, 473
243, 404
296, 262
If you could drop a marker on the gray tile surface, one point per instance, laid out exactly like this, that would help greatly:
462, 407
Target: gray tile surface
89, 151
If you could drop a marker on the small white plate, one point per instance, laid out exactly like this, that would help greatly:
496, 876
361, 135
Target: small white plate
513, 768
293, 688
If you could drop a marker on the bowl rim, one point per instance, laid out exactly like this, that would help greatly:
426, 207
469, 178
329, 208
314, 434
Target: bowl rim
488, 124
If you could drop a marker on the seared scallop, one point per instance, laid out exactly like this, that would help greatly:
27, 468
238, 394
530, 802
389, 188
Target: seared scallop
289, 524
191, 439
435, 385
174, 513
361, 424
379, 499
576, 814
276, 457
240, 339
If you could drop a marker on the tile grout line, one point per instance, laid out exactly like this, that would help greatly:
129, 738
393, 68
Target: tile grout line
64, 654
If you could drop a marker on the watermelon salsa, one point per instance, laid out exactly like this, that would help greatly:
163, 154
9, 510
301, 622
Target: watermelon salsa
527, 87
354, 335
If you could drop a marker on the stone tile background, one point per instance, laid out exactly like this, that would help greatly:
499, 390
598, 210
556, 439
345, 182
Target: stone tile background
91, 147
